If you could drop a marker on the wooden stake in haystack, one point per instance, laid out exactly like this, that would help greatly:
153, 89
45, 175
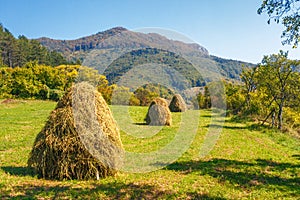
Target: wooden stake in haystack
80, 139
158, 113
177, 104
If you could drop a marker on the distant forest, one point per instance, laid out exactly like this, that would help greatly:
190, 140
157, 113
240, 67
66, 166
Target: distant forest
16, 52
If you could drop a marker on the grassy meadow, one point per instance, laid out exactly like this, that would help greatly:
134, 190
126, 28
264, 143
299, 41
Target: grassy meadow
247, 162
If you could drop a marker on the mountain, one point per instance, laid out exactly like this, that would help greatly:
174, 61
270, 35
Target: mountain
70, 48
117, 52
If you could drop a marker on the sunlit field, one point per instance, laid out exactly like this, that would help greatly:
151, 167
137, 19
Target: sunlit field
247, 162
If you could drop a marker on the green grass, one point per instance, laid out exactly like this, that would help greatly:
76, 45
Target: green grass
247, 162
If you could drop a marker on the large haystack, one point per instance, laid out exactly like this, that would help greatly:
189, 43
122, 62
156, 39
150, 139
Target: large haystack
158, 113
80, 139
177, 104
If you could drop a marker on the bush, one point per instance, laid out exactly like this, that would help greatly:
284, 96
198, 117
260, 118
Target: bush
292, 117
55, 95
43, 93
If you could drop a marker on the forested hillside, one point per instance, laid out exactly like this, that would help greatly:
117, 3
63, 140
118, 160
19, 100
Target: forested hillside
157, 65
101, 50
16, 52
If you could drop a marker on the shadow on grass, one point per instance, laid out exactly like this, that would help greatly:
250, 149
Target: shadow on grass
97, 190
239, 119
141, 123
224, 126
252, 127
18, 171
244, 120
296, 156
28, 191
206, 116
245, 174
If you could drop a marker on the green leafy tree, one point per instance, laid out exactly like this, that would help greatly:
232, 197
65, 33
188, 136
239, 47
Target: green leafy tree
280, 76
5, 82
146, 93
217, 94
248, 77
33, 80
7, 47
16, 52
145, 96
133, 101
69, 74
203, 99
277, 87
123, 96
235, 98
287, 13
207, 99
159, 89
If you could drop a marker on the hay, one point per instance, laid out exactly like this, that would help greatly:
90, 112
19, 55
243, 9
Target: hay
158, 113
68, 150
8, 101
177, 104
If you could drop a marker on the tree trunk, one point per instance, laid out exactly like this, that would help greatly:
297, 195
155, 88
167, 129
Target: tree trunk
10, 60
280, 112
273, 119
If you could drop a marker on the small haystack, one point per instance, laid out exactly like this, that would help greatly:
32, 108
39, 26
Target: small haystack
80, 139
177, 104
158, 113
8, 101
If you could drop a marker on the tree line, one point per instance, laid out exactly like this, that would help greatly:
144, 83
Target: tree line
16, 52
35, 81
269, 92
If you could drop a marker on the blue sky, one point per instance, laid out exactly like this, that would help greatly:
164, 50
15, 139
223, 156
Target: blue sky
227, 28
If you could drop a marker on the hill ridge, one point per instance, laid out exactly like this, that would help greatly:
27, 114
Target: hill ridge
93, 41
93, 51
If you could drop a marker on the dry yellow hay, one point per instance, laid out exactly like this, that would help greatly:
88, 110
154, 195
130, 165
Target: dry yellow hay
68, 150
158, 113
177, 104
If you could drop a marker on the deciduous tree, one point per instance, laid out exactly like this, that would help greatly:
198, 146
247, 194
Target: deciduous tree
286, 12
276, 83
